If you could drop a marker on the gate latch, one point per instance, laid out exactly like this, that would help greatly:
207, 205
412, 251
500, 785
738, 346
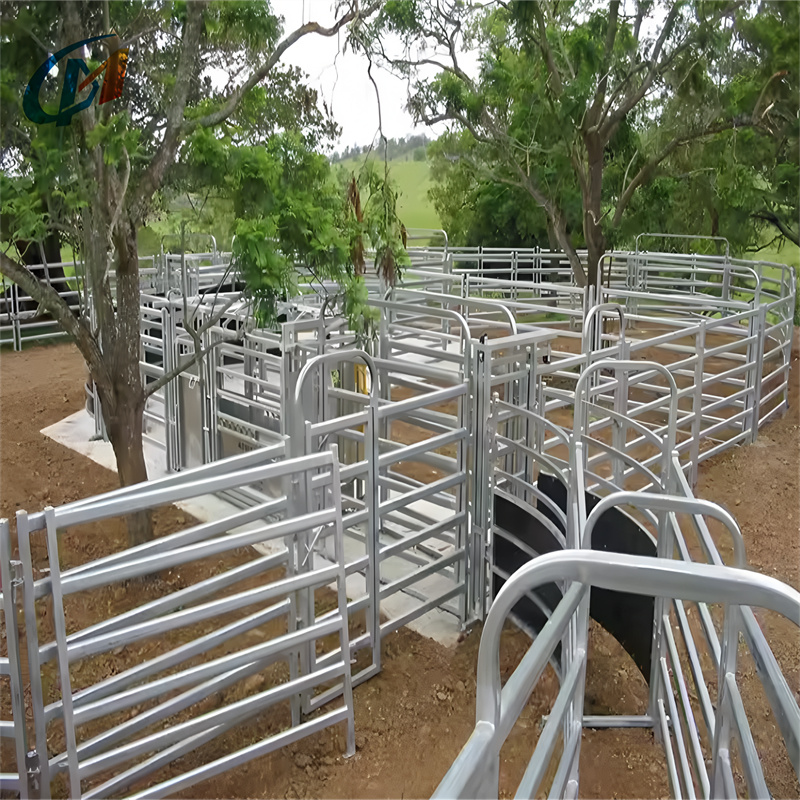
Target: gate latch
16, 574
33, 771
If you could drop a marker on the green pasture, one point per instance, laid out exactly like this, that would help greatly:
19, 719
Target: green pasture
412, 179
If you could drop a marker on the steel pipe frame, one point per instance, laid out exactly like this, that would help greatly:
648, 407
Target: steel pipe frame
762, 657
431, 397
497, 709
664, 262
779, 324
11, 667
55, 583
787, 713
300, 435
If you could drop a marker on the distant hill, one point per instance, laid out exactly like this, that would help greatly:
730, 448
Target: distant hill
413, 179
413, 146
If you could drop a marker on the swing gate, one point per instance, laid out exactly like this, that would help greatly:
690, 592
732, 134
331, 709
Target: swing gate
187, 677
413, 442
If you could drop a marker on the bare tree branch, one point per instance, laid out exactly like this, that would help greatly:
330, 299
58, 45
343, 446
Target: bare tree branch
649, 168
629, 102
165, 155
547, 53
126, 174
49, 299
199, 354
774, 219
215, 117
593, 116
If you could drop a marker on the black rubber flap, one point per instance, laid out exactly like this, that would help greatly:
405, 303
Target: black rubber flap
627, 617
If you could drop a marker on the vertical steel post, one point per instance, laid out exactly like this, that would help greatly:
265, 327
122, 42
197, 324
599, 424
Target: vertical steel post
32, 641
373, 500
9, 594
665, 547
462, 566
619, 431
722, 729
758, 369
697, 399
60, 624
480, 380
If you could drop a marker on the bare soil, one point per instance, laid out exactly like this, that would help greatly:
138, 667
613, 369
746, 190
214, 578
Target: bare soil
413, 718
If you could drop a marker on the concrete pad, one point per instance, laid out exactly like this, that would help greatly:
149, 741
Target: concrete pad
77, 433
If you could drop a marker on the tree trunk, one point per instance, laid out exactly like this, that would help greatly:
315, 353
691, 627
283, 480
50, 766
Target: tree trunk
559, 227
125, 428
124, 415
595, 244
592, 208
714, 220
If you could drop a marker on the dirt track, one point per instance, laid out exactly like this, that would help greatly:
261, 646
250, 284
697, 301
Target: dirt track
414, 717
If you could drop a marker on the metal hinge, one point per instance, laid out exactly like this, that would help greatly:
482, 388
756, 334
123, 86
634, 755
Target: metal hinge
34, 772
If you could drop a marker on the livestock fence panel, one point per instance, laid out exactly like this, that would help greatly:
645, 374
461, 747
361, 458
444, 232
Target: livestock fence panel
217, 666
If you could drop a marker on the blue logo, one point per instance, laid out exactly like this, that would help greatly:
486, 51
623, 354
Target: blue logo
114, 66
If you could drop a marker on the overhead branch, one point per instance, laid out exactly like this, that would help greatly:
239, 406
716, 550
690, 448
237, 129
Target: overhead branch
133, 38
55, 305
774, 219
547, 52
649, 168
165, 155
641, 7
230, 105
622, 86
757, 107
630, 101
593, 116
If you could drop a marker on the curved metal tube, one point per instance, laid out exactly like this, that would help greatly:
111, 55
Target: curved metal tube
678, 505
177, 235
600, 307
579, 426
687, 236
492, 305
338, 355
447, 313
496, 706
704, 583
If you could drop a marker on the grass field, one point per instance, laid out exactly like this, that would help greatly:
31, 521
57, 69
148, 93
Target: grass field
413, 179
788, 254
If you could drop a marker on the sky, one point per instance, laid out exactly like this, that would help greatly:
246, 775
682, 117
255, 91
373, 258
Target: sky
342, 81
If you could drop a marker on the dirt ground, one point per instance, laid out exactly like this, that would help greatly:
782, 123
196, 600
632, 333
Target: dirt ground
412, 719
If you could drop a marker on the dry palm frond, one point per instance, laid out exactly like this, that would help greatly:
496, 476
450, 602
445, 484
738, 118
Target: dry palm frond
357, 250
387, 267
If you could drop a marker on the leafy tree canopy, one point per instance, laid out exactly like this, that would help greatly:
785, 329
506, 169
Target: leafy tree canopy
581, 108
291, 209
96, 180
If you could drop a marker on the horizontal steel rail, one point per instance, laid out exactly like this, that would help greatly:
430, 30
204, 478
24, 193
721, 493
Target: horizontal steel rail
134, 688
476, 770
717, 329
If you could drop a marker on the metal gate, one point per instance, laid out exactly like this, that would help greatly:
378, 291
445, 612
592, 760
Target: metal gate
220, 646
